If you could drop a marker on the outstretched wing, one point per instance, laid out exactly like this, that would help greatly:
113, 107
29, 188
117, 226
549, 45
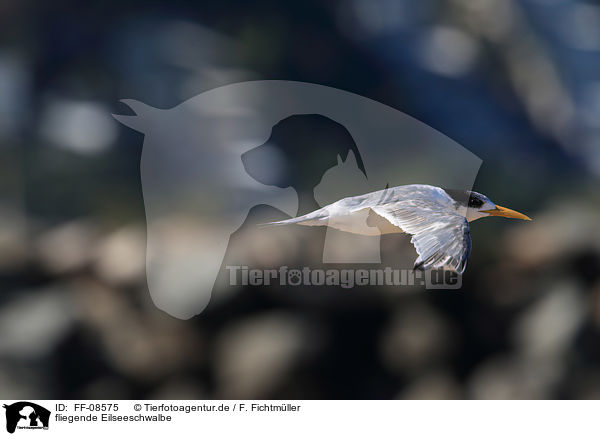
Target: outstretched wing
440, 236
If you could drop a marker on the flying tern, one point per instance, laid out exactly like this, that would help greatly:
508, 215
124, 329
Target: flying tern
438, 220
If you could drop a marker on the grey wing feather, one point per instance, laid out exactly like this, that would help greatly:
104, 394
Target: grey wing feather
440, 236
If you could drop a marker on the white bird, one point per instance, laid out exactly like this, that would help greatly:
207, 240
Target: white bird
438, 220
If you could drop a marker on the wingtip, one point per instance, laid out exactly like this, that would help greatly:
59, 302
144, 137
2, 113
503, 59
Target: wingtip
419, 266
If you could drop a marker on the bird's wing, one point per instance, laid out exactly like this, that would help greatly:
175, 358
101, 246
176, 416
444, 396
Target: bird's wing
440, 236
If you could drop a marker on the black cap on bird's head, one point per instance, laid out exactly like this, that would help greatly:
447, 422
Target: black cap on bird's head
468, 198
478, 205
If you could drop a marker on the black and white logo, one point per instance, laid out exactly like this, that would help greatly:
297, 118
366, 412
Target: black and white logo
26, 415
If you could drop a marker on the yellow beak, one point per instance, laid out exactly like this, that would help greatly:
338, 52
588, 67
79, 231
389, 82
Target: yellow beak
506, 212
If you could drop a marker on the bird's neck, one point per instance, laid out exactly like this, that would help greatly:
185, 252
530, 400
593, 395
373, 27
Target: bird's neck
469, 213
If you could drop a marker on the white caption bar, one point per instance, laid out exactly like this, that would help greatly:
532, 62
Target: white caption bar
300, 417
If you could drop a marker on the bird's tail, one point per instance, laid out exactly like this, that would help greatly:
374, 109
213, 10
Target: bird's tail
316, 218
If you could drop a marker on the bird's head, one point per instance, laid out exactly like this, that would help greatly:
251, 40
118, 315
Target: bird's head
474, 205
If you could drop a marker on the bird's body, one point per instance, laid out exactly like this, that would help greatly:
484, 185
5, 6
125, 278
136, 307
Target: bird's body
438, 219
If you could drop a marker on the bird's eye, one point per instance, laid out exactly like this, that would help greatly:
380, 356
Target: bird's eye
475, 202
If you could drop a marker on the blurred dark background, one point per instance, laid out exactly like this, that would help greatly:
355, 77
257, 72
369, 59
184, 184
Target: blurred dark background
515, 82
